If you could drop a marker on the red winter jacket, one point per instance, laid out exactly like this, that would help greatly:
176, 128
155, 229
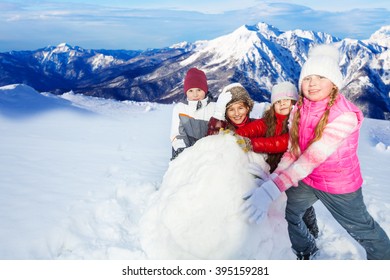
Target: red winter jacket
256, 131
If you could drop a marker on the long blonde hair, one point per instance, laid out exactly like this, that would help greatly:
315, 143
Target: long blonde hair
294, 131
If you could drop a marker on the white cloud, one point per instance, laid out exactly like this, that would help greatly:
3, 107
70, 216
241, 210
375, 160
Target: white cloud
29, 25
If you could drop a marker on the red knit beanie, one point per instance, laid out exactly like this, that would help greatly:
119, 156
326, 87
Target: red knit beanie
195, 78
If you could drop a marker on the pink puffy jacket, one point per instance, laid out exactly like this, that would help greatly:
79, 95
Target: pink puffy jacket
333, 171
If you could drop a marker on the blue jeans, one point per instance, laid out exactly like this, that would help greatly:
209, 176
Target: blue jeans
349, 211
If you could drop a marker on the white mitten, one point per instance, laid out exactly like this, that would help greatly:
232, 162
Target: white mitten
257, 170
258, 200
220, 106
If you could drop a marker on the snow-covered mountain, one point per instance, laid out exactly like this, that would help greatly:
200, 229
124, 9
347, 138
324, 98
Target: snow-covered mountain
257, 56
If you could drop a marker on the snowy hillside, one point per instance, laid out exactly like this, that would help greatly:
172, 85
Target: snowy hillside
78, 173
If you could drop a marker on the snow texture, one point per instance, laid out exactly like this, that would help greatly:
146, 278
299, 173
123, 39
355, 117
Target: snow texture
90, 178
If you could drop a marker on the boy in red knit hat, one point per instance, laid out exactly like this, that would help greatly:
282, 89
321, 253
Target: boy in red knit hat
191, 116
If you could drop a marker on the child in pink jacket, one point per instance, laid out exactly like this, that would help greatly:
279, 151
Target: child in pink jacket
321, 162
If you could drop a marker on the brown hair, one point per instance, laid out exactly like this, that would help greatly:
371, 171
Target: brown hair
270, 121
294, 131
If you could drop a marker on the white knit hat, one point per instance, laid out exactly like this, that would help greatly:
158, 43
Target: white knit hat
284, 90
323, 60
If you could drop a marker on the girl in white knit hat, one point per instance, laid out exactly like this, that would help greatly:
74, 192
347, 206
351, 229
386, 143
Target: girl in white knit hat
321, 162
269, 135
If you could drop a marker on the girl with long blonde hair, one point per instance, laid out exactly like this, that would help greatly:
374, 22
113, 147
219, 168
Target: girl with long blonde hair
322, 162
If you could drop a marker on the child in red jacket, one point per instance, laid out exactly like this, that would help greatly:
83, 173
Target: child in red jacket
270, 135
232, 110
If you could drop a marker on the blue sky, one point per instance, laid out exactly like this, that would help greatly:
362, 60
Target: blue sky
119, 24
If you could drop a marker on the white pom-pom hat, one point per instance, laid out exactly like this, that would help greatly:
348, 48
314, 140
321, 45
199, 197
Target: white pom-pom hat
284, 90
323, 60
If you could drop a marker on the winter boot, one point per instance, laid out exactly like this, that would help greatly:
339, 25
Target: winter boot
310, 220
309, 256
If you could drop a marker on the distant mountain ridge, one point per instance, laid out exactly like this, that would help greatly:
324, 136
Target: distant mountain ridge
257, 56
